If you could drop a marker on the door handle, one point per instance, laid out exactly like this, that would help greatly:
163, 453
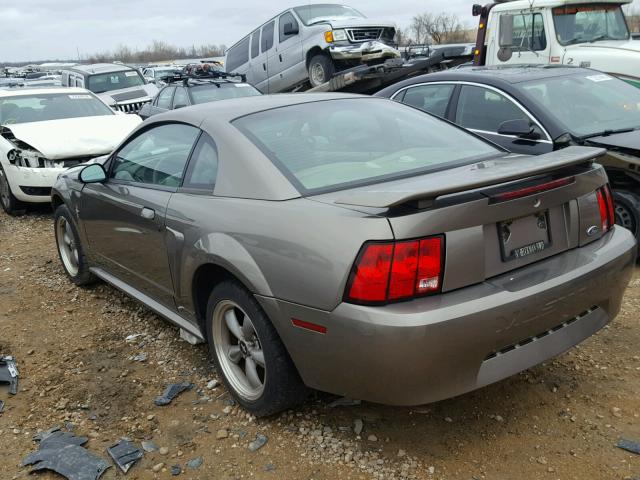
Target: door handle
264, 67
280, 57
148, 213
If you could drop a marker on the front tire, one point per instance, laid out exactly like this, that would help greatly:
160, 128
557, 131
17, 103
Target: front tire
321, 69
9, 202
249, 354
627, 211
70, 248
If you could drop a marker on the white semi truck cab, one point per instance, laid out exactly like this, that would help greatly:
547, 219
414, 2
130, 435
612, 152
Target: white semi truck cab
585, 33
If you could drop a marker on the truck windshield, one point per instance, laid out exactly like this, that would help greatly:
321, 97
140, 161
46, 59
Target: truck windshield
587, 103
341, 143
105, 82
310, 14
589, 23
50, 106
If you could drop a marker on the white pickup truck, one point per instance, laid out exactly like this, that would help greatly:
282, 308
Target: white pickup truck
586, 33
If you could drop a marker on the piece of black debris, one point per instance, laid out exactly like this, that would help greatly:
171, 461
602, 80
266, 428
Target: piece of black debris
45, 433
176, 470
195, 463
9, 373
171, 392
629, 445
124, 454
344, 402
62, 453
258, 443
269, 467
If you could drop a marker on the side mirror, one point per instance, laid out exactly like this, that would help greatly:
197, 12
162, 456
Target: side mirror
519, 127
506, 30
179, 106
93, 173
290, 29
476, 10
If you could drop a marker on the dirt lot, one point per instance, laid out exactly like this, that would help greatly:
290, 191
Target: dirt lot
560, 420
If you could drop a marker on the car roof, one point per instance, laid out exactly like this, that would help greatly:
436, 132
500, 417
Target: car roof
101, 68
526, 4
41, 91
232, 108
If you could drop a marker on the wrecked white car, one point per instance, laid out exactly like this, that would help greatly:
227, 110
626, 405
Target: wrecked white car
45, 131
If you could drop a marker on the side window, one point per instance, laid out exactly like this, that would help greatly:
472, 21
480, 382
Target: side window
79, 82
430, 98
164, 98
528, 33
282, 21
255, 44
157, 156
203, 166
181, 97
238, 55
267, 37
483, 109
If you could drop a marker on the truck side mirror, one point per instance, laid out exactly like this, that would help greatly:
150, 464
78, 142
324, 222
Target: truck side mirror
290, 29
476, 10
520, 127
506, 30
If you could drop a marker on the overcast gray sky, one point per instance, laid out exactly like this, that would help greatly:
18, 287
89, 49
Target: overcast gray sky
42, 29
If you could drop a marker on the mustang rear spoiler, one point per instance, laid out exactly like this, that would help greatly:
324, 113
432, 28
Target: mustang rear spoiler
468, 177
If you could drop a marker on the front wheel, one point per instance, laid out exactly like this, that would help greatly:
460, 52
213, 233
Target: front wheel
249, 354
321, 69
70, 248
10, 203
627, 211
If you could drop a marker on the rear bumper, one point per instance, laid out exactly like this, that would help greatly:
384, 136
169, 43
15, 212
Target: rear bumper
438, 347
363, 52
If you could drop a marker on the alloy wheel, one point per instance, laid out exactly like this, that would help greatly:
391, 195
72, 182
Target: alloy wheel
4, 190
67, 246
239, 350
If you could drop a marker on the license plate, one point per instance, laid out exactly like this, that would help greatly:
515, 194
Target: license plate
524, 236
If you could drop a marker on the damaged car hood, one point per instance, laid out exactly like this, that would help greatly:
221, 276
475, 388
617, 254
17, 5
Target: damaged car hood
75, 137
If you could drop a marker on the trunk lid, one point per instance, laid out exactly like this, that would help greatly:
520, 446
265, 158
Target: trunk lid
496, 215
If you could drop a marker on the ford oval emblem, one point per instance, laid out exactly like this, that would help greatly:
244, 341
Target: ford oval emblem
592, 230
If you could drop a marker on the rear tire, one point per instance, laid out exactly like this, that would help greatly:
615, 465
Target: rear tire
70, 248
10, 203
248, 353
627, 210
321, 69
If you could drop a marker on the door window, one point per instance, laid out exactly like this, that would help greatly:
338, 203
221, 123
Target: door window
164, 98
157, 156
284, 19
267, 36
255, 44
483, 109
181, 98
238, 55
528, 33
203, 166
430, 98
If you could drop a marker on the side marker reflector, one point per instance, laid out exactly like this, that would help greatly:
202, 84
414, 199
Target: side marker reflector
314, 327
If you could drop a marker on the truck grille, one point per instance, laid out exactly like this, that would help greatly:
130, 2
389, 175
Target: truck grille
364, 34
132, 107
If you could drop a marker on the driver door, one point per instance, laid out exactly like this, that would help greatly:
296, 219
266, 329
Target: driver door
124, 217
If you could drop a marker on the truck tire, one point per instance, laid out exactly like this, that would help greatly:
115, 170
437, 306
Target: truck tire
321, 69
627, 210
248, 353
10, 203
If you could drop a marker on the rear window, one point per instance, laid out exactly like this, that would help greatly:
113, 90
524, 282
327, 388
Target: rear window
105, 82
334, 144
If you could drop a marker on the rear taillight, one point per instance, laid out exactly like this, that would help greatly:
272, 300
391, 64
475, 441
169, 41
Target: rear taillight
605, 205
391, 271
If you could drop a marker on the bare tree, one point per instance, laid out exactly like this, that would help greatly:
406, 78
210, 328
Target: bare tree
403, 37
158, 51
440, 28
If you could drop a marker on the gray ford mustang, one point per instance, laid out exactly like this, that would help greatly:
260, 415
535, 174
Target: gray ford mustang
348, 244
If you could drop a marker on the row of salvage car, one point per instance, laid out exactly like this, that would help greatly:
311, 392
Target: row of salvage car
346, 243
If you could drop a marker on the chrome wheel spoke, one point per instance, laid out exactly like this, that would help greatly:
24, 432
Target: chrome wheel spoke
248, 331
251, 371
234, 353
258, 357
232, 323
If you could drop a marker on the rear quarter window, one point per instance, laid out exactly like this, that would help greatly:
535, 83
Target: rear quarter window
238, 55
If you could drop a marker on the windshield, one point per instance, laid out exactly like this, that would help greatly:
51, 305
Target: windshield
589, 23
53, 106
333, 144
211, 92
587, 103
105, 82
310, 14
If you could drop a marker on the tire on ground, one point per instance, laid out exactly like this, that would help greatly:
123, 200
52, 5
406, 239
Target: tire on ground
627, 210
9, 202
283, 387
321, 69
83, 276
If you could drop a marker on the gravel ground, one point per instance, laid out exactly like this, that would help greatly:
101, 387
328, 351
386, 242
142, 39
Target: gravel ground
559, 420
